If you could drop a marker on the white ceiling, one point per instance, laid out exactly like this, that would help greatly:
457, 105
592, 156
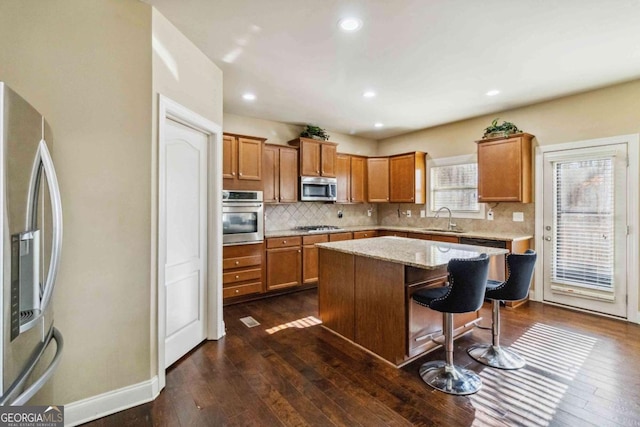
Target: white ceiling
430, 62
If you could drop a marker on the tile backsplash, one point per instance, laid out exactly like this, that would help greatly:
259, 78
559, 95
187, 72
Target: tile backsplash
291, 215
502, 218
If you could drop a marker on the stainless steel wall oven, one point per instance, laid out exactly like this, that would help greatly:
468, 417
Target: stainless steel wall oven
242, 217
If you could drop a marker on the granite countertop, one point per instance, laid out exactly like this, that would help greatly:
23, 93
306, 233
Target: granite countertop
491, 235
425, 254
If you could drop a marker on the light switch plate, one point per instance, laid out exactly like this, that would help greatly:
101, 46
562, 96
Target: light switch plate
518, 216
490, 215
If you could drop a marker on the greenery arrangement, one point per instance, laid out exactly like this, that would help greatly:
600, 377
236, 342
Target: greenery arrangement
506, 128
314, 132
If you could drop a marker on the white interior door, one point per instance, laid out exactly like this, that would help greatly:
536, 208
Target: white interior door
585, 228
185, 198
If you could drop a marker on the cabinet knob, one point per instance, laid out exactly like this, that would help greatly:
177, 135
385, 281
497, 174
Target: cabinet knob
299, 251
366, 235
237, 291
237, 262
240, 174
387, 198
237, 277
233, 173
317, 171
284, 242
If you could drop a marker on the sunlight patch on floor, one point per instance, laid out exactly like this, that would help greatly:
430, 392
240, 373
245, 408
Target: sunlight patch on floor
523, 396
300, 323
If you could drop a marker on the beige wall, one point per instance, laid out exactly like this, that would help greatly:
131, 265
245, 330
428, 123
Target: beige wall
184, 74
87, 67
280, 133
600, 113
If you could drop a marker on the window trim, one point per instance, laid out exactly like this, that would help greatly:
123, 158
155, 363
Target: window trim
451, 161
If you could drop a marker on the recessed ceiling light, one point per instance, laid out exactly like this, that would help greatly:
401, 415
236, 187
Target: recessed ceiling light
369, 94
493, 92
249, 96
350, 24
378, 125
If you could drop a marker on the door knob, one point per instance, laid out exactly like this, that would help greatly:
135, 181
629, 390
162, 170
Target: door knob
547, 238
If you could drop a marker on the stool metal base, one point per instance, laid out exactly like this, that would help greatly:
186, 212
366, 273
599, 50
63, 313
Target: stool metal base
496, 356
450, 378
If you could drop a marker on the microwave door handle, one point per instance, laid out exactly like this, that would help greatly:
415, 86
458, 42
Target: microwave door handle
43, 162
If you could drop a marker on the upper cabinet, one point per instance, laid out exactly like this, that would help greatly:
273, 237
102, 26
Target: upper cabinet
280, 171
504, 169
407, 178
378, 179
242, 162
317, 158
351, 172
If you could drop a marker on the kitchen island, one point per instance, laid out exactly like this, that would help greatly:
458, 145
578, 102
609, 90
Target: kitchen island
365, 288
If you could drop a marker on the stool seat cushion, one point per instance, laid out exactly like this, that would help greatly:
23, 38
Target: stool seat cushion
425, 296
493, 284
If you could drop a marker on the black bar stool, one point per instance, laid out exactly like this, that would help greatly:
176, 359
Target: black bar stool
515, 288
463, 294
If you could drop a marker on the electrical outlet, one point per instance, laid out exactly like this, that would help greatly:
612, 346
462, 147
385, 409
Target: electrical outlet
369, 212
423, 213
490, 215
518, 216
408, 213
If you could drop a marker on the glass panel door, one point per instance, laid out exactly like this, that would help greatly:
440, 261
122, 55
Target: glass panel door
585, 228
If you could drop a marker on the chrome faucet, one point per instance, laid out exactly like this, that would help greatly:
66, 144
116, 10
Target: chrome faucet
437, 215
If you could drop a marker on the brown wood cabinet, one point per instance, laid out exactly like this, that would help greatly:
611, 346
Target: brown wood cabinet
284, 262
443, 238
504, 169
378, 179
280, 174
393, 233
242, 162
310, 257
407, 178
351, 172
317, 158
242, 270
365, 234
337, 237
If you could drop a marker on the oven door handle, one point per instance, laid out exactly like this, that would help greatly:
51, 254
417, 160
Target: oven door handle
242, 205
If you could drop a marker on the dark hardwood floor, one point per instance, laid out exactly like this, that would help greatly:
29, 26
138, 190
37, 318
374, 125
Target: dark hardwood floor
582, 370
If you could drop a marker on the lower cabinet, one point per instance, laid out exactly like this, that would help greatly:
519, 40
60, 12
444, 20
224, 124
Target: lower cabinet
443, 238
242, 270
284, 262
310, 257
392, 233
365, 234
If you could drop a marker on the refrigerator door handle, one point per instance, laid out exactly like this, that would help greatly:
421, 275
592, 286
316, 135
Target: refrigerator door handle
30, 391
44, 162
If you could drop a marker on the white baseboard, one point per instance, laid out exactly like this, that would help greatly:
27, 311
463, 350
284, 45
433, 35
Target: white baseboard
108, 403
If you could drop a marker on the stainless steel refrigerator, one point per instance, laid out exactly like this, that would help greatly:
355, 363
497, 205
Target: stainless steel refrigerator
31, 217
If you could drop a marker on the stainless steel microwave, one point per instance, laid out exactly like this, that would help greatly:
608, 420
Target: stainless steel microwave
314, 189
242, 217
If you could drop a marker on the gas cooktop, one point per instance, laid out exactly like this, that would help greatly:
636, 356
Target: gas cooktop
317, 228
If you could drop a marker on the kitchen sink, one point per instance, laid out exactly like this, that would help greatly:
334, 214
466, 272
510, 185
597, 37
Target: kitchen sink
443, 230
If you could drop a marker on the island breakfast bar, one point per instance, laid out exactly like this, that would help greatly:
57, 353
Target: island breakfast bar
365, 288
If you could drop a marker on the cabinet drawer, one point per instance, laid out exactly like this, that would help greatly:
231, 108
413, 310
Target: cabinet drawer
364, 234
441, 238
239, 262
283, 242
310, 240
242, 276
236, 291
238, 251
336, 237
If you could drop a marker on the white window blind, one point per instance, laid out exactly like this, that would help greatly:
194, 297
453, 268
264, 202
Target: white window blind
584, 224
455, 186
